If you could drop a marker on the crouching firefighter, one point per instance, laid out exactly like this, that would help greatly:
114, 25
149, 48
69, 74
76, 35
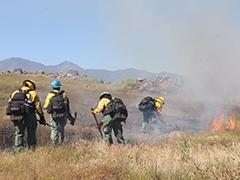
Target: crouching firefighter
114, 113
151, 109
57, 104
23, 105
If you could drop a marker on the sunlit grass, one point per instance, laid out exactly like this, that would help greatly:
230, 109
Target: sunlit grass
96, 160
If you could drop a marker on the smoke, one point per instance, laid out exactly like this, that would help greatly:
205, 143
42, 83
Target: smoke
208, 50
198, 39
135, 34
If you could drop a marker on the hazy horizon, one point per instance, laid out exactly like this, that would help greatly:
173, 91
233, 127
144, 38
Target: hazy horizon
78, 64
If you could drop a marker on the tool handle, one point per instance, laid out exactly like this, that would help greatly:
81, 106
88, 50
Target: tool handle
98, 127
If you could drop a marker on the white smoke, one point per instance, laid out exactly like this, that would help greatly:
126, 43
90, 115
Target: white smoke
195, 38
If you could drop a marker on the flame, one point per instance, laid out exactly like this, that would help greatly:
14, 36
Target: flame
231, 125
218, 124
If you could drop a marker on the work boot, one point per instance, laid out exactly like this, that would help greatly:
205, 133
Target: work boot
144, 127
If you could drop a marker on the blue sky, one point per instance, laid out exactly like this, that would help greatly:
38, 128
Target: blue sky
111, 34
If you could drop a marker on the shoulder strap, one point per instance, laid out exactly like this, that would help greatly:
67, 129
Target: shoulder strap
53, 92
61, 92
20, 90
27, 92
58, 93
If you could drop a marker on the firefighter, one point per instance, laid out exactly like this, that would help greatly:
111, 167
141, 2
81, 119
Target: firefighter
23, 106
57, 104
110, 121
151, 109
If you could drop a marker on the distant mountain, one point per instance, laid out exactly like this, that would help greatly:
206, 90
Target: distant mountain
65, 67
15, 62
106, 75
28, 65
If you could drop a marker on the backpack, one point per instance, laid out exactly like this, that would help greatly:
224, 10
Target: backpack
116, 109
58, 105
20, 105
147, 104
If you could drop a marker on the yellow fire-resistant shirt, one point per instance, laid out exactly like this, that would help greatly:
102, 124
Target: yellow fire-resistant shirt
102, 104
32, 95
158, 104
50, 96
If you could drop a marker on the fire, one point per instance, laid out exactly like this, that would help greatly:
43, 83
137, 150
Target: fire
231, 125
218, 124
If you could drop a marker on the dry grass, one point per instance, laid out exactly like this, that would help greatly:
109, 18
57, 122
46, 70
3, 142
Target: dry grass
96, 160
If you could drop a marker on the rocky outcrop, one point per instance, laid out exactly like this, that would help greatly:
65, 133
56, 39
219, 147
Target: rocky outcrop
18, 71
160, 83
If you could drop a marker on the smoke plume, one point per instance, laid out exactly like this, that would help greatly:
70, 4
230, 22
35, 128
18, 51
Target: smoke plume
198, 39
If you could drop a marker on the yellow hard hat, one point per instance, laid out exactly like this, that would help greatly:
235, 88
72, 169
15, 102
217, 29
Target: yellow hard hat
160, 99
30, 84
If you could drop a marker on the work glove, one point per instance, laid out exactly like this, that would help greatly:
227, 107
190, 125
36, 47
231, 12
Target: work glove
99, 125
92, 111
42, 120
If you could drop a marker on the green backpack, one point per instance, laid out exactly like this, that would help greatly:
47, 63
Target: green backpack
59, 105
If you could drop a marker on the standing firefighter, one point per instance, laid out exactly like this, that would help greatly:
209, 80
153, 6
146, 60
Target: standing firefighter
151, 109
114, 112
57, 104
23, 105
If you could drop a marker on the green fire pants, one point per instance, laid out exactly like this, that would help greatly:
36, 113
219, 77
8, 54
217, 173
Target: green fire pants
116, 126
29, 123
57, 131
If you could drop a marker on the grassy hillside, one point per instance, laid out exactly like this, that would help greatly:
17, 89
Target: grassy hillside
176, 155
